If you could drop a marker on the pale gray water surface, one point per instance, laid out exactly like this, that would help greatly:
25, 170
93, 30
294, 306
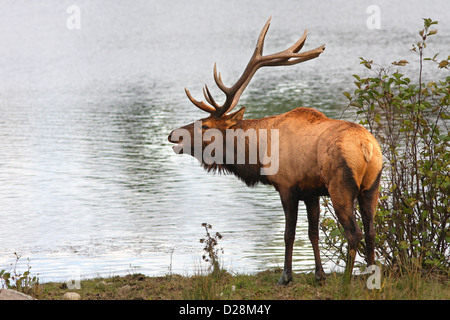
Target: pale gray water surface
88, 180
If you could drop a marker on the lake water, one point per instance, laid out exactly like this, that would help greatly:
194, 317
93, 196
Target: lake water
88, 180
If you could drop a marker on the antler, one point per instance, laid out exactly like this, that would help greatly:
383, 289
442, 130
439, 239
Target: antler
287, 57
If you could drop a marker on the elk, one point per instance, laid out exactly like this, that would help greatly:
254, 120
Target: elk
317, 156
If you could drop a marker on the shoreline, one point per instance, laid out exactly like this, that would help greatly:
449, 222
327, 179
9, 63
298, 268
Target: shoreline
260, 286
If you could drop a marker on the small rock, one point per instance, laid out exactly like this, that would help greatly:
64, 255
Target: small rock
71, 296
125, 289
8, 294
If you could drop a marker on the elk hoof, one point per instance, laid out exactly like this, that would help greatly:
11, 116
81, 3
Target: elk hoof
285, 279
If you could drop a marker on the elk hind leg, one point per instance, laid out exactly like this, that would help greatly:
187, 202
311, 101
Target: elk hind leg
353, 234
343, 198
368, 200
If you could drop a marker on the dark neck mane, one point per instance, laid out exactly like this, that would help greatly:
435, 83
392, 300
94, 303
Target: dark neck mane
249, 174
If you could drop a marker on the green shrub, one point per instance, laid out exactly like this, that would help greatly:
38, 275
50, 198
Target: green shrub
410, 121
22, 282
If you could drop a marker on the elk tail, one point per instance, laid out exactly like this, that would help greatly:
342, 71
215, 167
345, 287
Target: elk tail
367, 149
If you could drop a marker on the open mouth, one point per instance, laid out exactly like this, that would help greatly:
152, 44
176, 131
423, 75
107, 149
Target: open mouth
178, 147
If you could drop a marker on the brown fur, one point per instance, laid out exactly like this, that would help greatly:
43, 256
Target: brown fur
318, 156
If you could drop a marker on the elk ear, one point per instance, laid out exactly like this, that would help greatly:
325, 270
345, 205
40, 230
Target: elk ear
238, 115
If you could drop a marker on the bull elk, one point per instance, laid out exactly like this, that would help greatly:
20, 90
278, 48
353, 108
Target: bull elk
316, 156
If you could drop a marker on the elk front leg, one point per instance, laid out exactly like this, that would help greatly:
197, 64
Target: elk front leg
290, 206
313, 211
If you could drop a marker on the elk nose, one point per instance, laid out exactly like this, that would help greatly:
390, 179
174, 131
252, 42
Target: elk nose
170, 137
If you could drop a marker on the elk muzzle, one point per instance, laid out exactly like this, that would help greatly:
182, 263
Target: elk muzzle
175, 137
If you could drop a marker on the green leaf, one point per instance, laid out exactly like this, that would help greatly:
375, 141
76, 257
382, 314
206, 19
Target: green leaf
427, 22
401, 63
357, 104
443, 64
403, 244
335, 233
347, 95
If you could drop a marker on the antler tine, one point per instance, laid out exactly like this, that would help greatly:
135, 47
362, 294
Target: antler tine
209, 97
262, 36
285, 55
206, 95
295, 58
199, 104
218, 80
308, 55
296, 47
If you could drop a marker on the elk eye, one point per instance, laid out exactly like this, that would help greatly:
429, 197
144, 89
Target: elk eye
205, 127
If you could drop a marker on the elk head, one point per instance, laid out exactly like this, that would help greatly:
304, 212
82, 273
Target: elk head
188, 138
